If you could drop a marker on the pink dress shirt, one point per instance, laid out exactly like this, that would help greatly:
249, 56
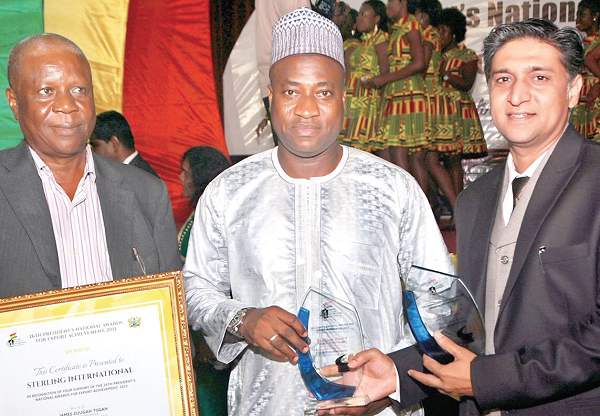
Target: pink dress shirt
78, 226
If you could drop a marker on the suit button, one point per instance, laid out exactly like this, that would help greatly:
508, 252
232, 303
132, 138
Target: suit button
504, 259
499, 302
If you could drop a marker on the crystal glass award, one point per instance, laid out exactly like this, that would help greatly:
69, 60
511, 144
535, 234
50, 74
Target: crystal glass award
335, 334
435, 301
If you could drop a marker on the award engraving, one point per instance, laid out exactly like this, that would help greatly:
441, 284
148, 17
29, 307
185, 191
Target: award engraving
335, 334
436, 301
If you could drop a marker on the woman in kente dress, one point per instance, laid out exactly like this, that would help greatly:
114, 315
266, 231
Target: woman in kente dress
586, 115
403, 124
441, 122
199, 166
458, 71
365, 58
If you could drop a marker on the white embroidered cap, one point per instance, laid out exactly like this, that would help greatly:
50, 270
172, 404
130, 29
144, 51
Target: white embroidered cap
305, 31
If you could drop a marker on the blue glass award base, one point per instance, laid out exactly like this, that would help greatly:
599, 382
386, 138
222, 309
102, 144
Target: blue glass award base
436, 301
335, 333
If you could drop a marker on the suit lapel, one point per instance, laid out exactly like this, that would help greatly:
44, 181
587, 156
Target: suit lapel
482, 230
25, 194
557, 173
117, 212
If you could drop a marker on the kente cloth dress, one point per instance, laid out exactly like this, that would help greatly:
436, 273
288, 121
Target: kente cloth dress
263, 238
363, 105
472, 141
442, 119
405, 105
587, 120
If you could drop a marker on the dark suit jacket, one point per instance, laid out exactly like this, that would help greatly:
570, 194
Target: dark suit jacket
547, 337
136, 211
140, 162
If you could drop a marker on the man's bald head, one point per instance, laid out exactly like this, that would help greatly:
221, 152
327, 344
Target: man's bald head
33, 44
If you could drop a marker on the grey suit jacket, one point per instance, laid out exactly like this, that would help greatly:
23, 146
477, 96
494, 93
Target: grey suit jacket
136, 211
547, 336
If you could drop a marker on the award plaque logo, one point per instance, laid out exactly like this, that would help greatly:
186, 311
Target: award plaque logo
435, 301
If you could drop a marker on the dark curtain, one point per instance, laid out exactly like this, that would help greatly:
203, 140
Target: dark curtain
228, 18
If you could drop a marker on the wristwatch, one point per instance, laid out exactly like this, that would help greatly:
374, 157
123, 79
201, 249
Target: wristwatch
233, 327
445, 77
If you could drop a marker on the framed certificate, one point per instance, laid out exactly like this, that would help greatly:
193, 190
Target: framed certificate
120, 348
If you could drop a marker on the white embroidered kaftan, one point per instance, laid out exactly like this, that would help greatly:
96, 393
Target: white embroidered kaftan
262, 238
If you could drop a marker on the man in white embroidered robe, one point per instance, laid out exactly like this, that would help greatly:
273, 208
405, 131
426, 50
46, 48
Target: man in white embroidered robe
307, 213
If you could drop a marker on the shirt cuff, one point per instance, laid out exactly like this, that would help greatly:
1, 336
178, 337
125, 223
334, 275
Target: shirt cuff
396, 395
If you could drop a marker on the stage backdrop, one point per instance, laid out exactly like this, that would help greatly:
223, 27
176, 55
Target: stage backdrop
242, 106
151, 60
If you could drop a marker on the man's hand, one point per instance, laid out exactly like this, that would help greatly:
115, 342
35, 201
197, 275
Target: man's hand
275, 331
453, 379
261, 126
377, 375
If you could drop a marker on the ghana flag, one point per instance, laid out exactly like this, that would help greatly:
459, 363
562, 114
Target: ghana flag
151, 61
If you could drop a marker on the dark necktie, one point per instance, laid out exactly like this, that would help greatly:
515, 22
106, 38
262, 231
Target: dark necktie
517, 187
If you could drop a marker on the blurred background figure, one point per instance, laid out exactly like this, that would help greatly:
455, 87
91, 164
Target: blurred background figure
113, 139
345, 18
441, 123
366, 57
458, 70
325, 8
199, 166
404, 111
586, 114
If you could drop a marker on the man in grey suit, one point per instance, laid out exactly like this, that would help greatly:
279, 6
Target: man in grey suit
68, 217
529, 253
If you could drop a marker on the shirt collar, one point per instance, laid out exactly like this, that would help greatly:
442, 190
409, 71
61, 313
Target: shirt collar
129, 158
512, 171
320, 179
510, 163
42, 168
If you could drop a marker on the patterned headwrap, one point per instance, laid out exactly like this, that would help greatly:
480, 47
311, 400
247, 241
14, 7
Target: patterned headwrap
305, 31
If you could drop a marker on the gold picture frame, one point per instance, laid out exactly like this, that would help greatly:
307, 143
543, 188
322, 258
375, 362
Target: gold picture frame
109, 349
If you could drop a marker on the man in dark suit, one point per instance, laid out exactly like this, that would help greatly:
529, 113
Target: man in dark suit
529, 255
112, 138
68, 217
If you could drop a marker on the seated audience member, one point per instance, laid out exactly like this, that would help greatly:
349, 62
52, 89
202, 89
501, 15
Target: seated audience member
67, 216
199, 166
112, 138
